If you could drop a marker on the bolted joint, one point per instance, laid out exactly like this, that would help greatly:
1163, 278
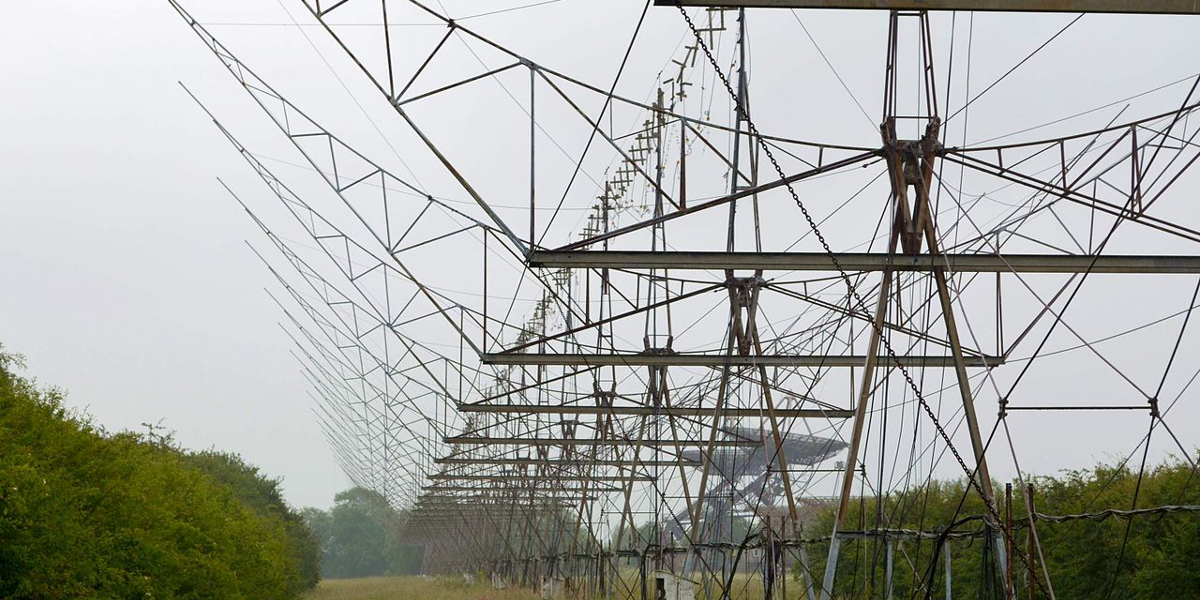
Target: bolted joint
912, 155
604, 397
742, 287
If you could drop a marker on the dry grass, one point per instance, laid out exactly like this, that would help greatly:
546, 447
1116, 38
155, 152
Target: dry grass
745, 587
412, 588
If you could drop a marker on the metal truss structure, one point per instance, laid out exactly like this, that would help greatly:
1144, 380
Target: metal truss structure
614, 385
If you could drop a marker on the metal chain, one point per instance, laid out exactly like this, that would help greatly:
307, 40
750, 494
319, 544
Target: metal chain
812, 224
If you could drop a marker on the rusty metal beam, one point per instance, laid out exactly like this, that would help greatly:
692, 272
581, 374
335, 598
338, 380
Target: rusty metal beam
466, 439
521, 490
717, 361
423, 517
482, 499
861, 261
674, 411
1152, 7
549, 477
557, 462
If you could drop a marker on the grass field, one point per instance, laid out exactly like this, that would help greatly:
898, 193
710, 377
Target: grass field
455, 588
412, 588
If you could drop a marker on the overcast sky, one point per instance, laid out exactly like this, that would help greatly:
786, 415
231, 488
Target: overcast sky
127, 280
125, 276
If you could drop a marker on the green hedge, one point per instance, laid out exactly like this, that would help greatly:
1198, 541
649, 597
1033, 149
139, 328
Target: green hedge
85, 513
1084, 557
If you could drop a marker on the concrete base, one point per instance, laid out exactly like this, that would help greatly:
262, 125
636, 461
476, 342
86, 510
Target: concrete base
552, 588
668, 586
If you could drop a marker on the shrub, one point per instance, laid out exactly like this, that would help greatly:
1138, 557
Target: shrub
85, 513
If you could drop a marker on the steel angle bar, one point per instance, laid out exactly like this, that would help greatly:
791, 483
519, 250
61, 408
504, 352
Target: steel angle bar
1076, 197
1068, 407
487, 441
475, 513
547, 477
859, 261
694, 122
651, 181
451, 86
1149, 7
557, 462
605, 321
519, 490
674, 411
717, 361
506, 497
723, 200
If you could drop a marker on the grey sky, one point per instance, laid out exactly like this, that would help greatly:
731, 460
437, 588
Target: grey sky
127, 282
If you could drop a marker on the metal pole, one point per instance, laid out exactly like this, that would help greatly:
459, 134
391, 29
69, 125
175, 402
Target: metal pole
806, 573
532, 159
860, 413
946, 555
889, 545
1029, 543
1008, 542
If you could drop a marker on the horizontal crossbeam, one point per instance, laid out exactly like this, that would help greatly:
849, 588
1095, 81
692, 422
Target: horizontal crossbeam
548, 477
434, 498
518, 489
718, 360
508, 505
452, 502
861, 261
465, 439
555, 462
649, 411
424, 517
1153, 7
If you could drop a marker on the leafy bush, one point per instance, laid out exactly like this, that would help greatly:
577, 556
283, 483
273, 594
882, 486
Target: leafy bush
85, 513
1084, 556
264, 497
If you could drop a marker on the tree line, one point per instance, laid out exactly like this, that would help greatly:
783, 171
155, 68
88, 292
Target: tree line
85, 513
360, 537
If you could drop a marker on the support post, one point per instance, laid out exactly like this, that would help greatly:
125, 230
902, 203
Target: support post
532, 160
860, 413
946, 568
1029, 544
805, 573
890, 548
1008, 543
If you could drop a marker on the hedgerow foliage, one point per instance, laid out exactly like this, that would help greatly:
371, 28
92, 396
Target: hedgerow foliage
1148, 557
89, 514
264, 497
